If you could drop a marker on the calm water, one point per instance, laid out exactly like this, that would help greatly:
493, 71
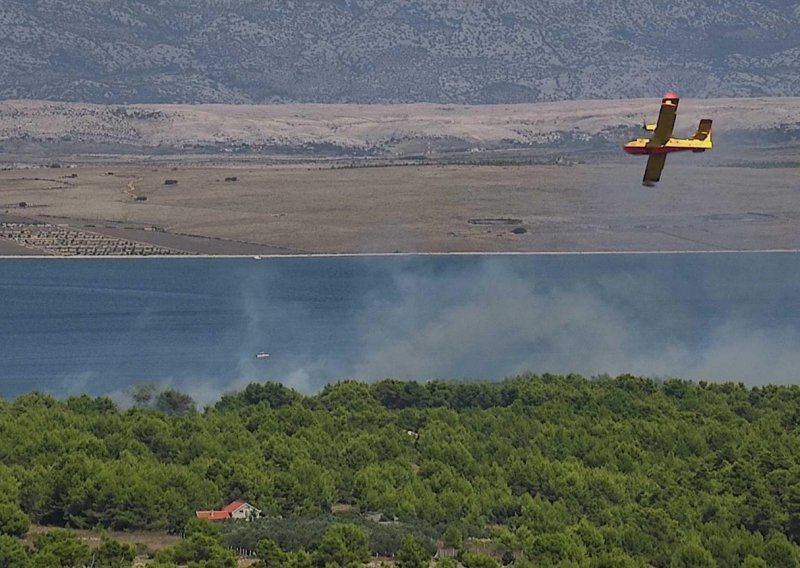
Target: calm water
99, 326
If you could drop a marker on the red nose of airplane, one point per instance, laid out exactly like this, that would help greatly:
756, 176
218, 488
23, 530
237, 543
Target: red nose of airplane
670, 95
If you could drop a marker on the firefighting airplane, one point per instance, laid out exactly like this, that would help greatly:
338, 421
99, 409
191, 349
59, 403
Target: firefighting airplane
662, 142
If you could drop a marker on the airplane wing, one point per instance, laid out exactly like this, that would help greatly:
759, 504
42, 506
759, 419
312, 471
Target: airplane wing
666, 121
652, 173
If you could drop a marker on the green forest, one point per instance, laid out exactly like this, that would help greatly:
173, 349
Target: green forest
535, 470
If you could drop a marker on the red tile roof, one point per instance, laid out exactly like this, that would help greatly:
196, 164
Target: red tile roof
225, 513
233, 506
213, 515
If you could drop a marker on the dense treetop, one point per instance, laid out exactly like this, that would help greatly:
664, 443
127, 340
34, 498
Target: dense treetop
552, 469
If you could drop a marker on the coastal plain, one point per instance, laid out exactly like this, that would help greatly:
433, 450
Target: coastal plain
346, 180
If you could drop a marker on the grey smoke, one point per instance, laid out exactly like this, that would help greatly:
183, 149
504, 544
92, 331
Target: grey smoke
501, 322
701, 317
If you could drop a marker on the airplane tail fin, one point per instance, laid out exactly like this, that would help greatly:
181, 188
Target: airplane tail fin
703, 133
703, 130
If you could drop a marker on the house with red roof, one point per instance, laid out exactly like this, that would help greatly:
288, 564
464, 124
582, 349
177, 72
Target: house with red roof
235, 510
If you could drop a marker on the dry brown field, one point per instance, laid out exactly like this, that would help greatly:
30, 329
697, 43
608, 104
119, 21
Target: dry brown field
146, 542
152, 541
312, 209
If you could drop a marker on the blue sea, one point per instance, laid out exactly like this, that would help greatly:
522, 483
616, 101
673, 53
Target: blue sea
71, 326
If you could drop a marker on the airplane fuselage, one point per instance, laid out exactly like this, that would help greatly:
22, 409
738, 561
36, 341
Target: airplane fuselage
641, 146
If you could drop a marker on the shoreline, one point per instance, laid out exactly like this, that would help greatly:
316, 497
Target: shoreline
395, 254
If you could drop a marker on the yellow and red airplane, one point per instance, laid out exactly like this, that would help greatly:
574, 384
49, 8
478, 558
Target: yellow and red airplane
662, 142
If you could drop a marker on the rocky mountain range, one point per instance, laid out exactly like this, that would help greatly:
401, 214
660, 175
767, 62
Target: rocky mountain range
391, 51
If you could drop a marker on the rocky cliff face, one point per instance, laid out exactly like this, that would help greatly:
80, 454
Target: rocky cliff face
453, 51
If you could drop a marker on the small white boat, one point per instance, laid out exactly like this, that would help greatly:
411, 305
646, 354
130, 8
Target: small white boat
262, 355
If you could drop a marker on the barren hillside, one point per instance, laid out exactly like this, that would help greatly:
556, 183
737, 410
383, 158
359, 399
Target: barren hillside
30, 128
367, 51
